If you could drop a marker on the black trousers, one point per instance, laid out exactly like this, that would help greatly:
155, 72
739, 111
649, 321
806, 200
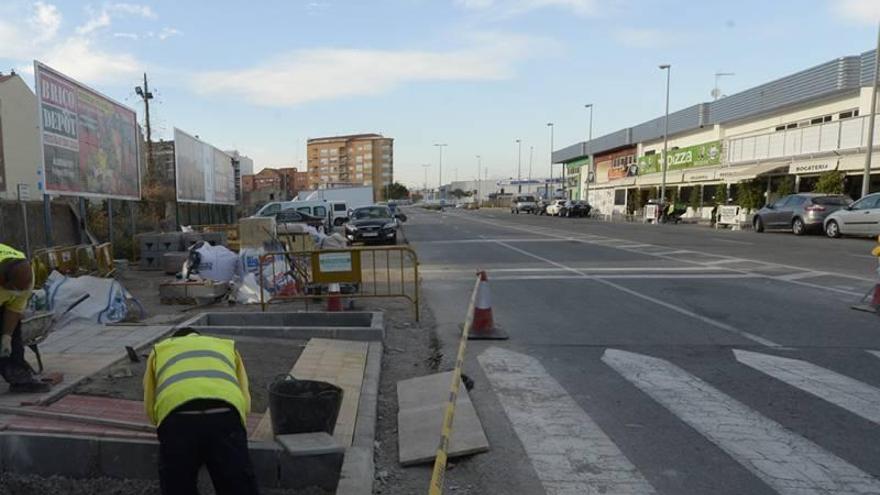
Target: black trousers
218, 441
15, 369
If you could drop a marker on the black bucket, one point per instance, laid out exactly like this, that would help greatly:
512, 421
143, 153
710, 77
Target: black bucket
303, 406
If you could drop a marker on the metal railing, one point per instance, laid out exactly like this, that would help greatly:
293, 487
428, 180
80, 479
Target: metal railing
375, 272
83, 259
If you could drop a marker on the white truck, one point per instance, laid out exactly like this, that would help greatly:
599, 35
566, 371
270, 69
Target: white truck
341, 200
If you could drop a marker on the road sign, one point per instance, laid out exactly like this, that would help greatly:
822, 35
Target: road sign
24, 192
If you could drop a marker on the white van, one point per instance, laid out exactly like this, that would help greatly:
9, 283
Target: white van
338, 212
319, 208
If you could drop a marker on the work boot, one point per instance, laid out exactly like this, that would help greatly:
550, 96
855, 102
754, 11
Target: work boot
32, 387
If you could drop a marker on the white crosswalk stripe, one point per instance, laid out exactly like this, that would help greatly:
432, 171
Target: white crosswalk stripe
840, 390
787, 462
570, 453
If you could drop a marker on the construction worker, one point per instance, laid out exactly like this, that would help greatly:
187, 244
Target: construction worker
16, 285
196, 392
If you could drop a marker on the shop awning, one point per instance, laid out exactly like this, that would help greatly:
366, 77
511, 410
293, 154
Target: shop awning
752, 171
856, 163
813, 166
700, 175
626, 181
657, 179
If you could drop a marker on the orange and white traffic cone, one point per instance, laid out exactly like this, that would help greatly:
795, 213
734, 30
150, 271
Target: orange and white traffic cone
334, 302
483, 326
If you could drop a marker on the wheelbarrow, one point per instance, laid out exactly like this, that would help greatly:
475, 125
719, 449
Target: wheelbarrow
37, 327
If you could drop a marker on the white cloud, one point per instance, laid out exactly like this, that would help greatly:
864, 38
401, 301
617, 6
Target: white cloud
507, 8
144, 11
79, 58
104, 17
328, 73
168, 32
45, 20
862, 11
130, 36
96, 21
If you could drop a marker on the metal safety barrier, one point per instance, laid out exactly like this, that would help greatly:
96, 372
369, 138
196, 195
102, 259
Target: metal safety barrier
438, 475
83, 259
361, 272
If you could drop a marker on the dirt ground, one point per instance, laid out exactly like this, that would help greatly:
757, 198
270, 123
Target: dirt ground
264, 359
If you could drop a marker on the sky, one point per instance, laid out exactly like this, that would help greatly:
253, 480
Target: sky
262, 77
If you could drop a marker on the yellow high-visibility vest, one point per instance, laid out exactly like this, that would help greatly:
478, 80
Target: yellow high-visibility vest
196, 367
8, 252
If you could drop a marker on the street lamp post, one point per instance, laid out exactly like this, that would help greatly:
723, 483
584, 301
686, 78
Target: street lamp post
519, 165
668, 69
866, 176
590, 144
440, 146
531, 154
479, 185
426, 166
550, 125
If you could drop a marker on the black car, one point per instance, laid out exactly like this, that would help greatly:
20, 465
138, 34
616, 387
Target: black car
284, 217
372, 224
577, 209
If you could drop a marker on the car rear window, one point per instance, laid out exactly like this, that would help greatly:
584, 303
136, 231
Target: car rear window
339, 207
832, 200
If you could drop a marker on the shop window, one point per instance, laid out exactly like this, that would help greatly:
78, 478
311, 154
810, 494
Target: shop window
649, 153
620, 197
848, 114
792, 126
780, 128
819, 120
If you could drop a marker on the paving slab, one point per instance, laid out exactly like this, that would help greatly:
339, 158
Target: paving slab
421, 408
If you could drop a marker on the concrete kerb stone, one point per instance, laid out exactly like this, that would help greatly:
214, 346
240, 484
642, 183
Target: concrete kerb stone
358, 470
374, 332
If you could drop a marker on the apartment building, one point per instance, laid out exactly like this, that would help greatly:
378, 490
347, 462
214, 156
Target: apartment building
353, 160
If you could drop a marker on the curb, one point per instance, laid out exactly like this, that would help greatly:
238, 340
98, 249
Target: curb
356, 477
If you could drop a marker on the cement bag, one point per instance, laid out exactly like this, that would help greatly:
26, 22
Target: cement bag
335, 241
107, 302
248, 291
215, 263
275, 275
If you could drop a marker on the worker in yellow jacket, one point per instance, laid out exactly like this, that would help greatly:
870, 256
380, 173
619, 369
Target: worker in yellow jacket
196, 392
16, 285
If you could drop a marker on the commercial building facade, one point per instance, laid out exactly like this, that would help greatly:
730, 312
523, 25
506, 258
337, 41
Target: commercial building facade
349, 161
19, 139
788, 131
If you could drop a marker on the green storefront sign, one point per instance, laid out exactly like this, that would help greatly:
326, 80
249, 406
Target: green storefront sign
693, 156
573, 176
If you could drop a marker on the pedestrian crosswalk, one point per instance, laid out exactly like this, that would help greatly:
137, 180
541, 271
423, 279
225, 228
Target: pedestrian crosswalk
570, 452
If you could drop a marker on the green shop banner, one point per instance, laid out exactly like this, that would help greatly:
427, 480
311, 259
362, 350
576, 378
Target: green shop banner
693, 156
575, 165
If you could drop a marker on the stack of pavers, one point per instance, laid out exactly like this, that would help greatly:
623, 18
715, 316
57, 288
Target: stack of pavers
168, 250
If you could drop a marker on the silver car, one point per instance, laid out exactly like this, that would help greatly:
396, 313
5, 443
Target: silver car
859, 218
800, 213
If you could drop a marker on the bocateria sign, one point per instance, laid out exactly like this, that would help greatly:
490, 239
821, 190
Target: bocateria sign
810, 168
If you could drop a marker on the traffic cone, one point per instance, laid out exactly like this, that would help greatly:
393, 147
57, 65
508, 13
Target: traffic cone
334, 302
483, 326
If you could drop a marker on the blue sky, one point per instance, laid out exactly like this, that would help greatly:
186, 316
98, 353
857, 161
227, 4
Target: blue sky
476, 74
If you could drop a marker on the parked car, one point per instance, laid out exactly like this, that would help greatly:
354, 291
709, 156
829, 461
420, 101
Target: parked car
802, 212
556, 207
522, 203
576, 209
339, 212
540, 207
290, 216
372, 224
860, 218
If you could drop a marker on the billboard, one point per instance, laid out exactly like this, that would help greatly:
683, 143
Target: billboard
89, 142
204, 173
699, 155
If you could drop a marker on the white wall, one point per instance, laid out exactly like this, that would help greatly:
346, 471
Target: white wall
769, 123
699, 136
21, 137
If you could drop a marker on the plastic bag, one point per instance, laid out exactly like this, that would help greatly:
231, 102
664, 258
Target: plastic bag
247, 291
107, 302
215, 263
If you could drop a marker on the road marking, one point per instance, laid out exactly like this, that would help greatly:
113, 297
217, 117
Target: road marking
669, 306
744, 243
569, 451
725, 260
840, 390
787, 462
489, 239
490, 271
800, 275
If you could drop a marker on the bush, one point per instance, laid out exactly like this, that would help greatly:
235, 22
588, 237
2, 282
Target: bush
785, 187
830, 182
750, 195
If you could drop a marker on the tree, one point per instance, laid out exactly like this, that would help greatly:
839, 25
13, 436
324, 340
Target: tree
458, 193
785, 187
750, 195
396, 190
830, 182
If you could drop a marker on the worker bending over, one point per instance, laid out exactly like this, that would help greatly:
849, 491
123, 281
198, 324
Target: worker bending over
196, 392
16, 285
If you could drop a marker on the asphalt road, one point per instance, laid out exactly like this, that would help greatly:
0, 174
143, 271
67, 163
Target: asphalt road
660, 359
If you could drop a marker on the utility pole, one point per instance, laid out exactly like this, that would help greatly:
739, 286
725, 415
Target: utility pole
479, 185
440, 146
426, 166
519, 165
668, 69
866, 177
590, 153
531, 154
549, 197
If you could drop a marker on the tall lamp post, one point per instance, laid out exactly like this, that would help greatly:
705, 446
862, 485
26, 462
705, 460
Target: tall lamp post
531, 154
550, 125
668, 69
479, 185
866, 177
519, 165
440, 146
426, 166
590, 144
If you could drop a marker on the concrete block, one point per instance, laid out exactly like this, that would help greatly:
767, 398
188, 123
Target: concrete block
169, 241
46, 455
313, 470
357, 474
172, 261
421, 409
317, 443
148, 243
150, 261
135, 459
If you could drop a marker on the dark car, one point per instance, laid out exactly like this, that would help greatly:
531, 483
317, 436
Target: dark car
289, 216
800, 213
372, 224
576, 209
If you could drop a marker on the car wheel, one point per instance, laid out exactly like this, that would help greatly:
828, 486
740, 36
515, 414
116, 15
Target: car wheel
798, 227
759, 225
832, 229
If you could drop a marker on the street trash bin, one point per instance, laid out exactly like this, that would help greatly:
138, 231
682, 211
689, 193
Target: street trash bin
303, 406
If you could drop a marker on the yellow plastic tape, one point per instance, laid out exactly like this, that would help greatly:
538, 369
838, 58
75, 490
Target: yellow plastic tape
439, 474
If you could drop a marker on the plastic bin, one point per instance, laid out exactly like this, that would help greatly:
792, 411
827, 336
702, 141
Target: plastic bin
303, 406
